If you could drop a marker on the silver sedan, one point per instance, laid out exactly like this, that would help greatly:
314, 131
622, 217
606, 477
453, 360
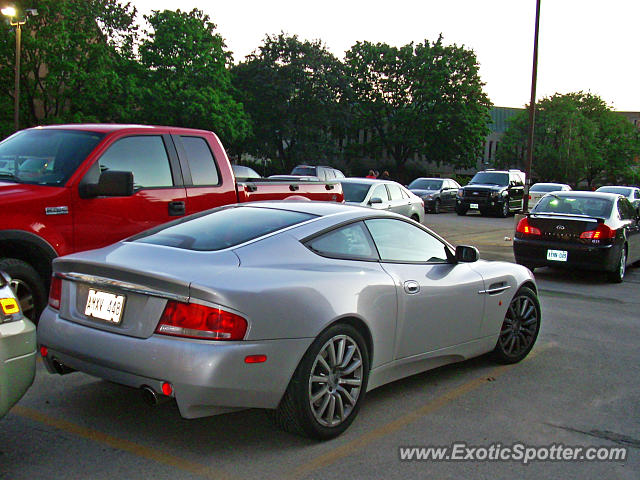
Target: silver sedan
383, 195
296, 307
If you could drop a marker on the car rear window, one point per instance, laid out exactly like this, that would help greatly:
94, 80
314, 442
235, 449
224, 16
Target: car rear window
304, 171
618, 190
546, 188
593, 207
223, 228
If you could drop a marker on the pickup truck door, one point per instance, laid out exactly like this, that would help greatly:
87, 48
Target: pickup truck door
208, 178
159, 195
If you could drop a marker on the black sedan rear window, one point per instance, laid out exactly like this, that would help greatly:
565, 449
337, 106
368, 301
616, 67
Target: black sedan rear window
593, 207
223, 228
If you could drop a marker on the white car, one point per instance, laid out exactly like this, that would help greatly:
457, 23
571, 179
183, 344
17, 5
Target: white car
632, 194
539, 190
383, 195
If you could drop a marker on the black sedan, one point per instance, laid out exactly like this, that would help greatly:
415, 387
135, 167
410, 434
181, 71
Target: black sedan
585, 230
437, 193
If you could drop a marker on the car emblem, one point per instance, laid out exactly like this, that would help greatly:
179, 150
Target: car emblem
560, 227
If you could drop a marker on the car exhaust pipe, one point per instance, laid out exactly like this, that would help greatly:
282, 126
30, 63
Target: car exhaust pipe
149, 396
60, 368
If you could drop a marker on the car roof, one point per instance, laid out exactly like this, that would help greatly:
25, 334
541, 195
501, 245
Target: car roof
582, 194
113, 127
431, 178
368, 181
321, 209
549, 183
617, 186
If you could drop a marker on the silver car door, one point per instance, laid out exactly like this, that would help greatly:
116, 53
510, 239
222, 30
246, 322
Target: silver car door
399, 204
439, 303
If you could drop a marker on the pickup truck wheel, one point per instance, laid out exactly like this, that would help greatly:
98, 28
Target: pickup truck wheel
504, 213
27, 286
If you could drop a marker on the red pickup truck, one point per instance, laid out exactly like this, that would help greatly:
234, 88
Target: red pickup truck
68, 188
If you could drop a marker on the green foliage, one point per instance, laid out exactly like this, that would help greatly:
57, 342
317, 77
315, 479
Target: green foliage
186, 79
74, 55
577, 138
291, 90
423, 100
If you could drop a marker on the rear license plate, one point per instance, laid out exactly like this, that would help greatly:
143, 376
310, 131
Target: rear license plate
105, 306
474, 206
557, 255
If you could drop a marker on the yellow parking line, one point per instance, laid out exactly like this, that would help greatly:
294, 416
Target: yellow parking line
121, 444
351, 447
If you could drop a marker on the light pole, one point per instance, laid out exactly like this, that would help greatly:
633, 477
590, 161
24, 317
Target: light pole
11, 13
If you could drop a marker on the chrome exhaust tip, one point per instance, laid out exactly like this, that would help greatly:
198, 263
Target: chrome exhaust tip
149, 396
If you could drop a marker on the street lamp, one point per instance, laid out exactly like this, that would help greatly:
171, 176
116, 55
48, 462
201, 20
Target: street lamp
11, 13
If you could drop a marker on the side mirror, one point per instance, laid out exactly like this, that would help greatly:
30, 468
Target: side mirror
375, 200
111, 184
467, 254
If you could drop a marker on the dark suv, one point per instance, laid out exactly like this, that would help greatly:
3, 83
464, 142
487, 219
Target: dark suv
492, 191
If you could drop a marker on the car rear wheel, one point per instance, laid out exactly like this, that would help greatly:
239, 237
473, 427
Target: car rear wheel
415, 218
618, 275
27, 287
520, 327
461, 211
328, 387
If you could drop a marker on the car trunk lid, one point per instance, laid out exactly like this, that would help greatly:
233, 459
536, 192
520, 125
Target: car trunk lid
564, 228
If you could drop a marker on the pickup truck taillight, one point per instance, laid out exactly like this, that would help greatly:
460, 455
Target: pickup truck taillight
199, 321
55, 292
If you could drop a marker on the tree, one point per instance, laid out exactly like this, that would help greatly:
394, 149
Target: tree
187, 79
422, 100
291, 89
74, 55
578, 138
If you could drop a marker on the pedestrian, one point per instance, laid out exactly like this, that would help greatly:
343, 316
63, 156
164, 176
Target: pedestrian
385, 175
371, 174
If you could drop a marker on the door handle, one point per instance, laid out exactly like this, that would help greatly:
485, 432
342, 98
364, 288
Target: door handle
411, 287
176, 208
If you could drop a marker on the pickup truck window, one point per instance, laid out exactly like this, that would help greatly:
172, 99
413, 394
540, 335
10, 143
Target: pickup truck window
144, 155
45, 157
201, 163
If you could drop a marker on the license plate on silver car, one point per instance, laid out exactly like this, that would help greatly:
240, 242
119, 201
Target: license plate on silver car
105, 306
557, 255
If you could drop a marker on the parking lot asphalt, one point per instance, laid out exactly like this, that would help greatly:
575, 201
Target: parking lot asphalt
578, 387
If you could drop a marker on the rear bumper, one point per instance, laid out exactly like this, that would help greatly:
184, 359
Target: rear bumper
17, 361
533, 253
208, 377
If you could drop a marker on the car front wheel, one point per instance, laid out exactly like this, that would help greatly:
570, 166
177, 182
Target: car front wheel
328, 387
504, 212
520, 327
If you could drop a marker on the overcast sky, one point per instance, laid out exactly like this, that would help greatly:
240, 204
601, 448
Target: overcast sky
584, 45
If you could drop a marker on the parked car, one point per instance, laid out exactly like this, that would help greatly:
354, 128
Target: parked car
632, 194
17, 348
586, 230
70, 188
322, 172
437, 193
383, 195
298, 307
539, 190
492, 191
242, 172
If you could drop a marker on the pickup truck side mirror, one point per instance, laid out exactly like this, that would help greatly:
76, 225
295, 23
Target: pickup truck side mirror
375, 200
111, 184
467, 254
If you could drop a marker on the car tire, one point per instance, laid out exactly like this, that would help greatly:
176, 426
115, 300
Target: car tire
621, 267
415, 218
504, 209
520, 328
436, 207
461, 211
27, 285
309, 406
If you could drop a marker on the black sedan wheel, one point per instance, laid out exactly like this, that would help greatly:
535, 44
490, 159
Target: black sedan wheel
328, 387
618, 275
520, 327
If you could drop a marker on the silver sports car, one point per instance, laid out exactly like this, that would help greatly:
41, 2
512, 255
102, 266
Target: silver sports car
296, 307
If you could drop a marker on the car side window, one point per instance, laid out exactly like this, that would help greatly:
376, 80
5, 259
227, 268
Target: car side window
380, 192
394, 191
201, 162
144, 155
348, 242
398, 241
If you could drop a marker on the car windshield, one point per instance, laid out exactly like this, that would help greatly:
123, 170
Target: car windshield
45, 157
490, 178
355, 192
619, 190
548, 187
304, 171
590, 206
223, 228
425, 184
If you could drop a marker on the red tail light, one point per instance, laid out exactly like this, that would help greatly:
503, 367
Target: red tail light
55, 292
198, 321
602, 232
525, 228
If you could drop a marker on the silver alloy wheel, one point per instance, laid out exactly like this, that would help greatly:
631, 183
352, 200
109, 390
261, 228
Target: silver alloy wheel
335, 381
505, 208
623, 263
520, 326
24, 295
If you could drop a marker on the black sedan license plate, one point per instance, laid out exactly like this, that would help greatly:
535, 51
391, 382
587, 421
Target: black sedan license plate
105, 306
